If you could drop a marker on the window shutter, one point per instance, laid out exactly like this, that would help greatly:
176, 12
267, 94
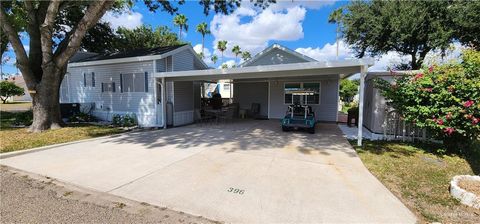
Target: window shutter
93, 79
121, 83
102, 88
113, 87
146, 81
84, 80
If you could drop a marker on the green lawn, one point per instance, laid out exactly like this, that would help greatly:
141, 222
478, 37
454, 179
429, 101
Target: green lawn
13, 139
420, 178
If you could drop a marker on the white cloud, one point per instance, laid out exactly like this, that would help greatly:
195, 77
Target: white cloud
128, 19
328, 52
308, 4
229, 63
206, 53
252, 29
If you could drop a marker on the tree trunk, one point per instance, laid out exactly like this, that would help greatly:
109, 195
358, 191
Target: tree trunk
45, 101
414, 64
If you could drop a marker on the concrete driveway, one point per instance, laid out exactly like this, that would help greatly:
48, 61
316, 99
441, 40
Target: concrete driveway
243, 172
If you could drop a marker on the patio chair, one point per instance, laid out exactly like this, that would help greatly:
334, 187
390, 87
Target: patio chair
203, 118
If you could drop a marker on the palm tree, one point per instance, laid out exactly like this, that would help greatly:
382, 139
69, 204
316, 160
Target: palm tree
246, 55
202, 28
335, 17
180, 20
214, 59
236, 50
222, 46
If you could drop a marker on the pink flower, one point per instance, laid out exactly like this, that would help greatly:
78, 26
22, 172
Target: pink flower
468, 116
428, 90
475, 120
449, 116
418, 76
468, 103
430, 69
439, 121
449, 130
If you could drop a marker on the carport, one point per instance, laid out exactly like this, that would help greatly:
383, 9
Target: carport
264, 85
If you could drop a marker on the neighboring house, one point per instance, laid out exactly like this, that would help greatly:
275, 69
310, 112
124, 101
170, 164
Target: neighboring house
19, 81
162, 85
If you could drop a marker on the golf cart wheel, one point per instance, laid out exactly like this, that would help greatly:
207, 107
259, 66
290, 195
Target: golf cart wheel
311, 130
285, 128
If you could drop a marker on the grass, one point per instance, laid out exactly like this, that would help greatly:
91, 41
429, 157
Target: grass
13, 139
15, 106
420, 178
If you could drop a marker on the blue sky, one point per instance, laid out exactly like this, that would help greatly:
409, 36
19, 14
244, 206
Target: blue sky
299, 25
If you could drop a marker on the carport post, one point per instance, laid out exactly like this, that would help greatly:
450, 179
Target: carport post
164, 103
363, 73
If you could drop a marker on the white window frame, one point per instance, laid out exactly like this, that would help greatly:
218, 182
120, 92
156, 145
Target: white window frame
304, 98
134, 75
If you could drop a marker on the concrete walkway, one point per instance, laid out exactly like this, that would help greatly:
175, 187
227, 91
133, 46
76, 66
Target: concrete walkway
242, 172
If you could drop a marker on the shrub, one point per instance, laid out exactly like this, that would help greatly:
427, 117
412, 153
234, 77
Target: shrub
82, 117
127, 120
23, 118
9, 89
444, 99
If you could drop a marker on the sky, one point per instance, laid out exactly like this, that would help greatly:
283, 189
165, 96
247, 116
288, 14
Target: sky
299, 25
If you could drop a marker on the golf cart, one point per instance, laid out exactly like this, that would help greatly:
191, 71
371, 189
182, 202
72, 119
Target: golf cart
299, 116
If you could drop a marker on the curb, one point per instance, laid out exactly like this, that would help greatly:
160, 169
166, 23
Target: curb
465, 197
42, 148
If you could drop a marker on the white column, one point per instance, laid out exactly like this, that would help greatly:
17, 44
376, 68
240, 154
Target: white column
164, 103
363, 73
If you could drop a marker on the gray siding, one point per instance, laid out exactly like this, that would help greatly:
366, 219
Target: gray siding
109, 103
183, 96
161, 65
252, 92
183, 61
277, 56
325, 111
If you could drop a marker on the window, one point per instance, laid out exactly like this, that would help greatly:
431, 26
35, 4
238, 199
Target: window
290, 98
226, 86
312, 98
89, 79
315, 88
108, 87
134, 82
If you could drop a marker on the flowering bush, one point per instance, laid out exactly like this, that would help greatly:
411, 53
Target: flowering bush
444, 99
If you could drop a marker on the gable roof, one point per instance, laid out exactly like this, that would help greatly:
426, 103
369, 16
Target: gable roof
280, 47
135, 56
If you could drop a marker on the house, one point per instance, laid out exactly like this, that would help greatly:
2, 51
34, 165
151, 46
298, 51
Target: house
19, 81
163, 85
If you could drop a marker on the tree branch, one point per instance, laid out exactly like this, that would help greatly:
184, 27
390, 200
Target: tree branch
94, 12
20, 53
46, 31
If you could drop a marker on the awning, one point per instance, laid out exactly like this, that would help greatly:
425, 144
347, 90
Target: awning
340, 69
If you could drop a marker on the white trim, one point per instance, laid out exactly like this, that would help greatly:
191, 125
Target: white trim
344, 68
269, 95
280, 47
164, 103
135, 59
338, 96
363, 73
